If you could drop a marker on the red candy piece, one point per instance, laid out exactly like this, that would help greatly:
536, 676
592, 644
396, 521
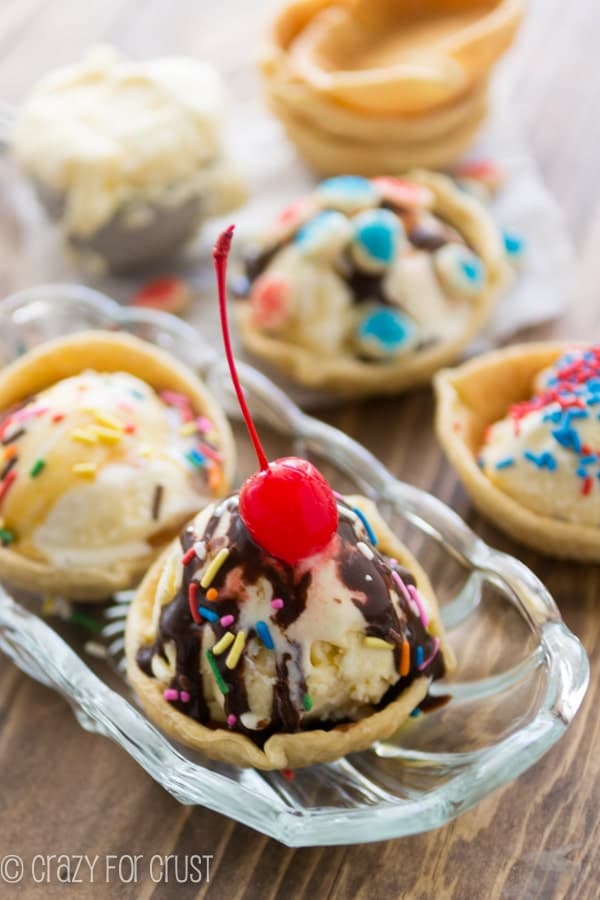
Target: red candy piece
288, 507
487, 171
167, 294
270, 299
403, 193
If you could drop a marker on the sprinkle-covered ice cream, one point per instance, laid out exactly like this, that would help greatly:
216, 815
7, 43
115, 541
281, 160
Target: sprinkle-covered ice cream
242, 639
546, 452
100, 468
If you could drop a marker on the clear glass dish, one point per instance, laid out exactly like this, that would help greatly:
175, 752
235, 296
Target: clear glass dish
521, 673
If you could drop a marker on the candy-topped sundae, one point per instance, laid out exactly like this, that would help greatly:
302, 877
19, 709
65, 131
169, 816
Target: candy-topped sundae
287, 626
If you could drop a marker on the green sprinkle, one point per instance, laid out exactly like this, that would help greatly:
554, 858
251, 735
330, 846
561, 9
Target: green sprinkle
6, 537
77, 618
37, 468
307, 702
221, 683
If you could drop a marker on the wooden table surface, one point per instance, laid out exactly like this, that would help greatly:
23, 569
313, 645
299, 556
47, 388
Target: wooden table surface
64, 791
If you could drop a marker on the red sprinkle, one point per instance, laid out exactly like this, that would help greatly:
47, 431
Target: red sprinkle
5, 485
586, 485
58, 417
193, 601
288, 774
188, 556
129, 428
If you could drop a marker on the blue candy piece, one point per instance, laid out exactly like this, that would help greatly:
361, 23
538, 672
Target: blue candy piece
383, 332
325, 235
377, 233
514, 245
348, 193
460, 270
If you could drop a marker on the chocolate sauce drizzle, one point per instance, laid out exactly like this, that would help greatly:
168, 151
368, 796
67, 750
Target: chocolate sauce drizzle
370, 579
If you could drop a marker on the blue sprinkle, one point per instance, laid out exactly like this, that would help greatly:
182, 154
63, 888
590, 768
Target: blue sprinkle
208, 614
513, 244
533, 458
593, 399
549, 461
367, 524
137, 394
416, 712
264, 634
505, 463
555, 416
196, 458
419, 657
594, 384
576, 414
581, 473
587, 460
567, 437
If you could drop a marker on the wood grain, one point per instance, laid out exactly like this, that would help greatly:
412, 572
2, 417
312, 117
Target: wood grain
64, 791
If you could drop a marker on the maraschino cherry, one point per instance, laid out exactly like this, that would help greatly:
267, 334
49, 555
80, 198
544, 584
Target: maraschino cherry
288, 507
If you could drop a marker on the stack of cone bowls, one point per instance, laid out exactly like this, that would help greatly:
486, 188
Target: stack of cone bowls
373, 86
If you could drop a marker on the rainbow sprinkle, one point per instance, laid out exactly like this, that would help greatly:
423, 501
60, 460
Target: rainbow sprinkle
277, 603
171, 694
425, 662
208, 614
226, 621
262, 629
419, 657
37, 468
221, 683
377, 643
214, 567
367, 524
231, 720
234, 654
404, 658
85, 470
193, 601
223, 643
307, 702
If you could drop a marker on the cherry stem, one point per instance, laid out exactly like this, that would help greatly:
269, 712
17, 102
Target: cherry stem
220, 257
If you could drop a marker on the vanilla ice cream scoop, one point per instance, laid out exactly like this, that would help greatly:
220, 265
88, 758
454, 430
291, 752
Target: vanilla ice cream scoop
545, 453
100, 468
239, 639
128, 156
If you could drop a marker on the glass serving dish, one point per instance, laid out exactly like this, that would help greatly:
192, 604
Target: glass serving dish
520, 678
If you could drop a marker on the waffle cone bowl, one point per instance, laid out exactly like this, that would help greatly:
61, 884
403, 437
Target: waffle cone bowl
409, 78
345, 374
471, 398
281, 750
66, 451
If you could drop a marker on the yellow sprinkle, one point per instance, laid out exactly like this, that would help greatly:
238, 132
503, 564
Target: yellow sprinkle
107, 435
214, 567
84, 437
85, 470
48, 605
108, 421
188, 428
377, 643
236, 651
224, 643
